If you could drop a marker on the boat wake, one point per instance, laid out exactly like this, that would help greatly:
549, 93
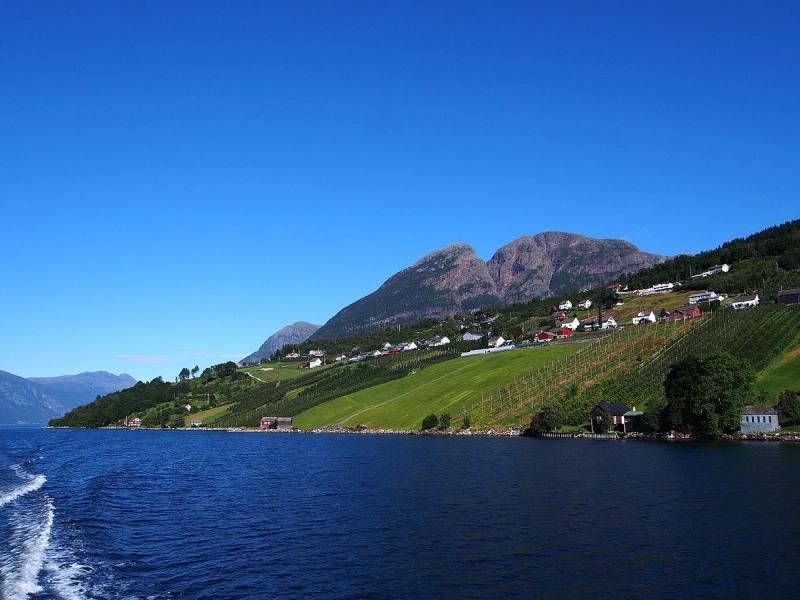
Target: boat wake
32, 483
20, 565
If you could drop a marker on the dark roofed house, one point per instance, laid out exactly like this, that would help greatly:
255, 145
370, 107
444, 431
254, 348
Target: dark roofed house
759, 419
284, 423
789, 296
606, 410
268, 422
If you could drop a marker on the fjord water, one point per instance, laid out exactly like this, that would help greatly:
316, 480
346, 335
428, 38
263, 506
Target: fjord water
149, 514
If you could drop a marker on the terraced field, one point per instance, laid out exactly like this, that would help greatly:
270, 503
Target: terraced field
446, 387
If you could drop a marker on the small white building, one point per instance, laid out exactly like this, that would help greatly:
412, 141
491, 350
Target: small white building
644, 317
440, 340
314, 362
744, 302
592, 324
471, 337
566, 305
705, 297
316, 353
759, 419
409, 346
341, 358
293, 354
585, 304
496, 341
387, 345
571, 323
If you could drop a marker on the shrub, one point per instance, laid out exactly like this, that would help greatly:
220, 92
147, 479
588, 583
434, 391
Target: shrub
430, 422
466, 423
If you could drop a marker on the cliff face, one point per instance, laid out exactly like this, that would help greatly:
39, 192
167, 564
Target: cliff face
455, 279
553, 262
437, 285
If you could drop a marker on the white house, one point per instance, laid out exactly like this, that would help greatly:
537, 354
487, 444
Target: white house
758, 419
410, 346
471, 337
585, 304
744, 302
341, 357
293, 354
566, 305
658, 288
572, 323
496, 342
316, 353
315, 362
609, 323
376, 353
705, 297
440, 340
645, 317
387, 345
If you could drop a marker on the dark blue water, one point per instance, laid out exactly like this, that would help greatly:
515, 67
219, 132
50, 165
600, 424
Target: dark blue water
137, 514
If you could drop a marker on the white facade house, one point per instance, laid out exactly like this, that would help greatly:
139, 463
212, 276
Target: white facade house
585, 304
471, 337
723, 268
591, 324
644, 316
759, 419
440, 340
316, 353
496, 342
315, 362
705, 297
658, 288
293, 354
341, 357
744, 302
566, 305
409, 346
387, 345
571, 323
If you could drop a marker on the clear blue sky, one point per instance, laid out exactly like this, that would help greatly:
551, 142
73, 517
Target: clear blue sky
178, 180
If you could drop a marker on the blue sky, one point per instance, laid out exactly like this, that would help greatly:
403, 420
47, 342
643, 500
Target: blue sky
179, 180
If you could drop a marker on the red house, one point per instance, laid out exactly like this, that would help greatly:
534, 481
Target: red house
269, 422
134, 422
563, 332
683, 313
543, 336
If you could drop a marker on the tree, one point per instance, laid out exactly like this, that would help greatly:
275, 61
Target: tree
195, 371
444, 421
706, 396
548, 419
184, 374
466, 423
788, 408
430, 422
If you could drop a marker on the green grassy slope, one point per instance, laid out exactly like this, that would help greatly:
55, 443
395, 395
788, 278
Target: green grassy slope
781, 375
445, 387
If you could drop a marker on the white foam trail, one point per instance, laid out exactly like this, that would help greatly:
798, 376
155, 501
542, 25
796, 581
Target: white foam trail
34, 483
67, 580
20, 571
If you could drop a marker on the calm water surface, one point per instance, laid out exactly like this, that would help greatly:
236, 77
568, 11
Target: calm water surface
138, 514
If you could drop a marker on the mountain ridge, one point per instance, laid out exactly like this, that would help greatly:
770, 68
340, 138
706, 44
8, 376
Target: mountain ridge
455, 279
296, 333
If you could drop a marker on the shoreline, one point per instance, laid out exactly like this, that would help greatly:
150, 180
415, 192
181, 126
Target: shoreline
495, 432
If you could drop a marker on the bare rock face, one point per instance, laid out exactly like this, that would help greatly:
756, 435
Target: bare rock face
553, 262
296, 333
455, 279
437, 285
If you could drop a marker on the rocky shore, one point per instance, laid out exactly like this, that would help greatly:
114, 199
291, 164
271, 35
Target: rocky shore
675, 436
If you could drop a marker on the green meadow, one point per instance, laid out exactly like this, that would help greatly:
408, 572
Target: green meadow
445, 387
783, 374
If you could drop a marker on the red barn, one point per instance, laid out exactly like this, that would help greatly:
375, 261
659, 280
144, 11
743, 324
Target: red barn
685, 312
544, 336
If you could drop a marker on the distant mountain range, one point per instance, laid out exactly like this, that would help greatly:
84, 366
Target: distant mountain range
39, 399
296, 333
455, 279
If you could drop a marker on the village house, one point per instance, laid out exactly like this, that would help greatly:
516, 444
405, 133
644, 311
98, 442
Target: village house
387, 345
585, 304
759, 419
573, 323
316, 353
283, 423
564, 332
565, 305
375, 353
196, 424
614, 412
341, 357
409, 346
544, 336
315, 362
723, 268
684, 313
558, 316
644, 317
743, 302
134, 422
471, 337
269, 422
705, 297
440, 340
496, 341
658, 288
791, 296
293, 354
593, 323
